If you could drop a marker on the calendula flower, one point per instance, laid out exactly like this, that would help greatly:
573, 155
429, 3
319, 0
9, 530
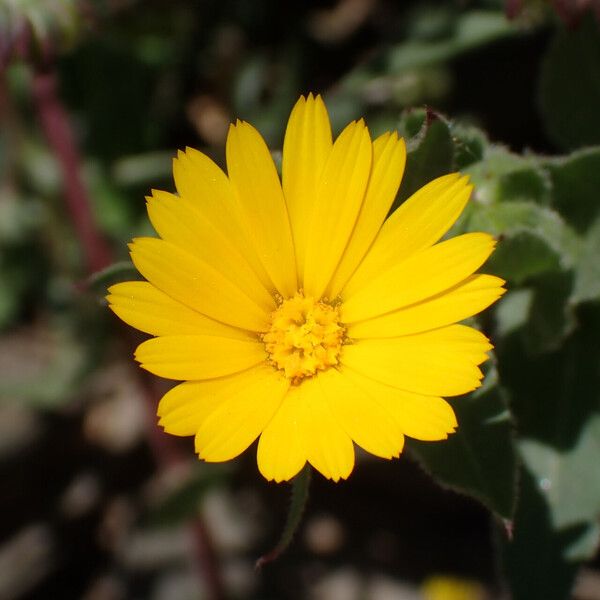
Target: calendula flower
295, 312
442, 587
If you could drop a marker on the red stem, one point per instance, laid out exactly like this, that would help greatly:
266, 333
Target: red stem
513, 8
56, 127
168, 454
208, 559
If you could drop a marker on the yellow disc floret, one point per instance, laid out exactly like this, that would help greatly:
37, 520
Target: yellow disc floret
305, 337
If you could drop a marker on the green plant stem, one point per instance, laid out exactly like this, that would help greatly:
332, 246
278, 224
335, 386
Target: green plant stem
300, 488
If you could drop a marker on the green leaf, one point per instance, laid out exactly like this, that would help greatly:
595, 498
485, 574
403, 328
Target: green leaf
534, 554
569, 88
533, 239
575, 182
119, 271
522, 256
430, 154
471, 30
512, 311
587, 269
525, 184
470, 144
402, 72
141, 169
569, 481
551, 317
502, 176
479, 459
510, 218
553, 394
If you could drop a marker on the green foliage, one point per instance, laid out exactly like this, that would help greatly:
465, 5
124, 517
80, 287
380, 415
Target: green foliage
533, 553
560, 475
414, 71
528, 441
450, 36
480, 458
587, 269
430, 152
569, 91
575, 182
546, 214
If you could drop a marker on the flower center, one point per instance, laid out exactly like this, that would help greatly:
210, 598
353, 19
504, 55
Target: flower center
305, 337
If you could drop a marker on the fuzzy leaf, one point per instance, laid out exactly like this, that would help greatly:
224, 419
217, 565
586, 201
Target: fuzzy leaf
560, 476
587, 272
430, 154
576, 185
479, 459
534, 555
503, 176
533, 239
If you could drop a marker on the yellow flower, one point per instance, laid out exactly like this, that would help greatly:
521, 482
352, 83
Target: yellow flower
295, 311
441, 587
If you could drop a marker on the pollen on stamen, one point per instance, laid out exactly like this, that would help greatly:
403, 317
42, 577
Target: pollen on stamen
305, 336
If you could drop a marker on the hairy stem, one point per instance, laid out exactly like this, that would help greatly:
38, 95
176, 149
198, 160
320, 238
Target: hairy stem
300, 488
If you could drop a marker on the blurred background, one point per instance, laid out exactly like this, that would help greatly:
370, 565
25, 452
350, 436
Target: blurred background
96, 96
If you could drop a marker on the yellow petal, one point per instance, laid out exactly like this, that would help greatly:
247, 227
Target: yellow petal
282, 445
185, 407
196, 284
338, 200
193, 395
329, 448
442, 362
415, 225
466, 299
306, 147
389, 158
177, 221
363, 418
304, 428
146, 308
261, 205
426, 418
419, 277
198, 356
200, 181
235, 423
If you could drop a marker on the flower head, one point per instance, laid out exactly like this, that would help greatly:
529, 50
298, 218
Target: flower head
295, 311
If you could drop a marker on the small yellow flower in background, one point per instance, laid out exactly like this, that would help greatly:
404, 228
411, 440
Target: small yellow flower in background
441, 587
295, 312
